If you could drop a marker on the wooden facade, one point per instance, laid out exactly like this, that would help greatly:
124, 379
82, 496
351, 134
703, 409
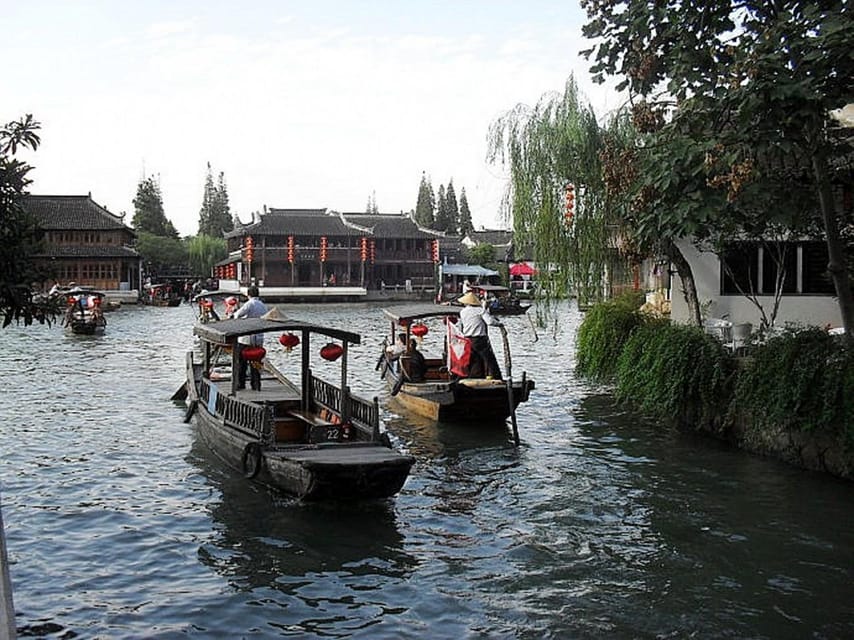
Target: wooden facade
317, 247
84, 243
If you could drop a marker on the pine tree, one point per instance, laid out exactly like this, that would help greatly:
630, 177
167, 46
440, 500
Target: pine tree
453, 209
372, 207
222, 220
426, 205
208, 198
148, 210
441, 223
464, 226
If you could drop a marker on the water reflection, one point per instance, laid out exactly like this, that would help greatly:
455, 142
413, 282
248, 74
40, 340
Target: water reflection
326, 566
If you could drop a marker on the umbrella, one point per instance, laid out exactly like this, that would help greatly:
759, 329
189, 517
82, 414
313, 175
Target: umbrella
522, 269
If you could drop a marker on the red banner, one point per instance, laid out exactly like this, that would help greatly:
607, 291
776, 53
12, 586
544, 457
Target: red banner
459, 351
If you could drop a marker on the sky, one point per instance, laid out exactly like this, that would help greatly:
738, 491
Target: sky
320, 104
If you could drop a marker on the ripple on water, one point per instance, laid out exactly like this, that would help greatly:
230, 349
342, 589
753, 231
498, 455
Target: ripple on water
121, 525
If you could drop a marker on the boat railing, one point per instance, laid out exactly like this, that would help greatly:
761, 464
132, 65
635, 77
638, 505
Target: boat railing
252, 419
357, 410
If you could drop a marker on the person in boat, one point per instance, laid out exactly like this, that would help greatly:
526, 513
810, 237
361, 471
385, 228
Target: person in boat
397, 349
474, 320
252, 308
230, 306
413, 363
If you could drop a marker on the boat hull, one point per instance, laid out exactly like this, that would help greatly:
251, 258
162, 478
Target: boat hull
464, 401
311, 472
353, 470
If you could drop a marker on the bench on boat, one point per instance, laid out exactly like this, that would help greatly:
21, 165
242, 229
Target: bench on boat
298, 425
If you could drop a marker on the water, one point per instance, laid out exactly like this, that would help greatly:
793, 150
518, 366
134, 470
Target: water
120, 524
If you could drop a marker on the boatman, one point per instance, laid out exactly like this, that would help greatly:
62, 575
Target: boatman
252, 308
474, 318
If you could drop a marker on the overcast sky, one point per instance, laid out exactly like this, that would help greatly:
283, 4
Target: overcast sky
308, 104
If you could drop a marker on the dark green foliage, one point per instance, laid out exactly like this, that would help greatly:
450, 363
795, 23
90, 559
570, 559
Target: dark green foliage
426, 205
676, 372
19, 234
802, 380
149, 216
215, 215
603, 333
465, 223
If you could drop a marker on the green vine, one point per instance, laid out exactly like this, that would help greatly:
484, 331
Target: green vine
603, 333
802, 381
676, 372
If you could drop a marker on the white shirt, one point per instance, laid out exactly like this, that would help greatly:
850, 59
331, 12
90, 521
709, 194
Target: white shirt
474, 321
252, 308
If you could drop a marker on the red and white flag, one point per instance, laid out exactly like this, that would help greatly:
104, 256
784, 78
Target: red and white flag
459, 350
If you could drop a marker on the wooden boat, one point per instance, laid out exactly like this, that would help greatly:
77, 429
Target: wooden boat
445, 393
84, 313
314, 440
161, 295
206, 302
500, 300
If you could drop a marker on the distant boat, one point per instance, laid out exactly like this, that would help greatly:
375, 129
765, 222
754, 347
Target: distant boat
314, 439
161, 295
84, 312
500, 300
445, 392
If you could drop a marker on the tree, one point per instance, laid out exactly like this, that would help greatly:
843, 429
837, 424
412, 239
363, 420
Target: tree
161, 253
215, 215
465, 225
453, 210
426, 204
752, 83
19, 234
148, 206
442, 221
482, 254
371, 207
204, 252
555, 143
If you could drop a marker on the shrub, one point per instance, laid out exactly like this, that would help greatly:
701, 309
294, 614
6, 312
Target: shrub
603, 332
802, 380
676, 373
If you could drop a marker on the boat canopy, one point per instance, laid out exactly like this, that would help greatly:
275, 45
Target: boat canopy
226, 332
408, 313
467, 270
490, 288
219, 294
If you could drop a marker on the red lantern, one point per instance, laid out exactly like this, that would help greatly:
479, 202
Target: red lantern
288, 340
419, 329
253, 354
331, 351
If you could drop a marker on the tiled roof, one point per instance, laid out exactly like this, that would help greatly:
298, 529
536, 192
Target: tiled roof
491, 236
88, 251
72, 212
278, 222
385, 225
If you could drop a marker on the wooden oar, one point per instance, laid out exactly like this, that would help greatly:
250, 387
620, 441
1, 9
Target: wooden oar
509, 384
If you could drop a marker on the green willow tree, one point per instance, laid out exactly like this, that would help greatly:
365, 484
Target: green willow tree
736, 95
557, 142
203, 252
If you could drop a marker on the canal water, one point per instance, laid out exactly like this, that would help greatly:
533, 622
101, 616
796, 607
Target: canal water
120, 524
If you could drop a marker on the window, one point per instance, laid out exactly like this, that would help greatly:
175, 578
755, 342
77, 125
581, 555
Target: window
751, 267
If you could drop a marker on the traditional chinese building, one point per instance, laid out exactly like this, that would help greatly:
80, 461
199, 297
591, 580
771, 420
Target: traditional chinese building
85, 243
286, 249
